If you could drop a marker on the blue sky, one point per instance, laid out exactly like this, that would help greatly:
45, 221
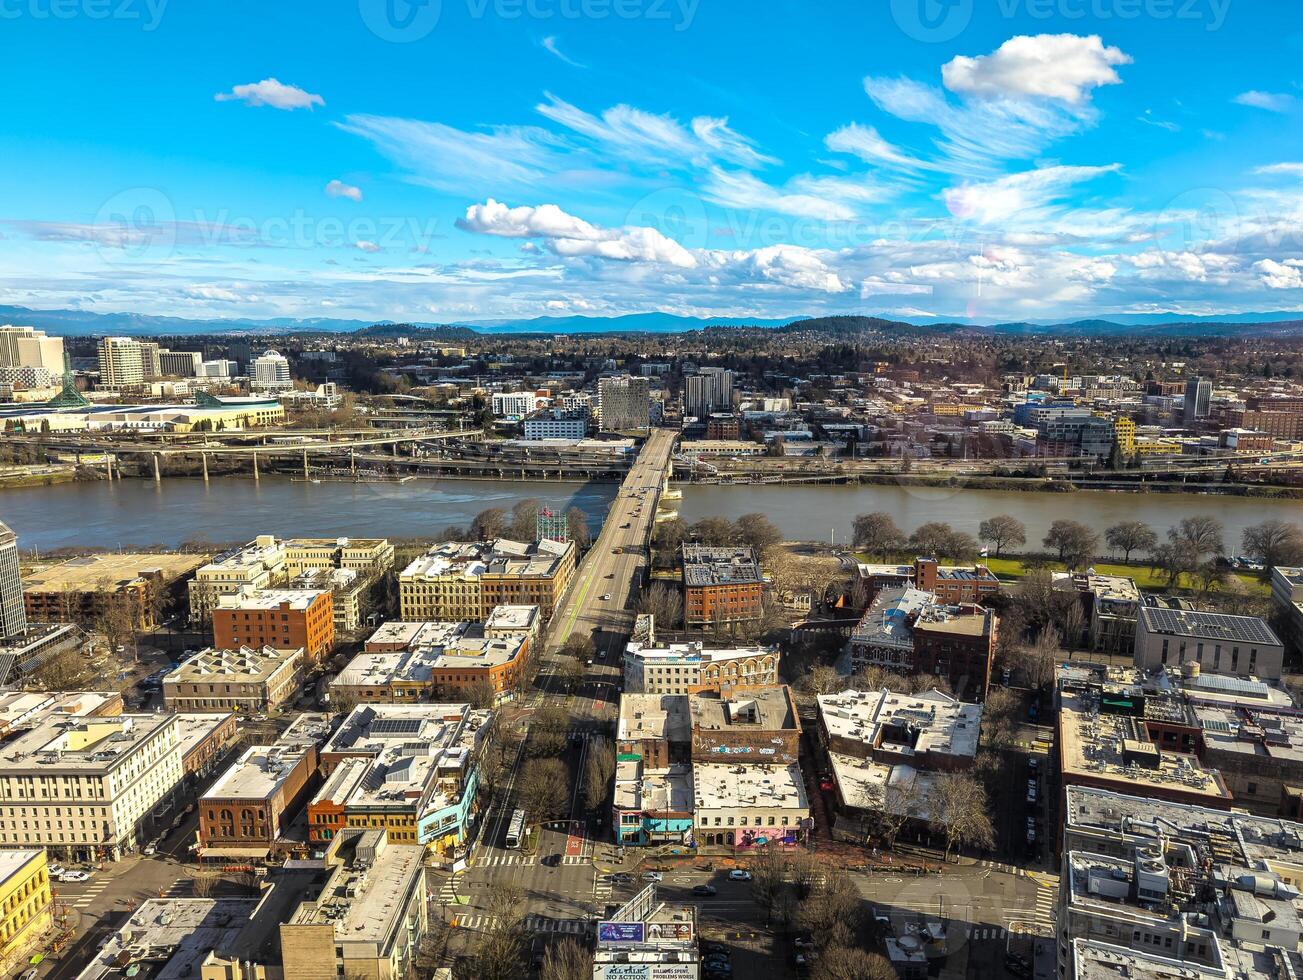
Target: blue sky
461, 159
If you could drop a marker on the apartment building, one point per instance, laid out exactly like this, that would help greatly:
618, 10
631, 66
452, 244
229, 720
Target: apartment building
1110, 605
125, 362
261, 564
751, 725
286, 619
1244, 646
27, 347
686, 668
81, 590
1152, 889
369, 557
744, 807
347, 590
244, 680
270, 372
721, 585
13, 612
555, 423
465, 581
884, 748
84, 787
25, 906
623, 404
418, 779
179, 363
909, 631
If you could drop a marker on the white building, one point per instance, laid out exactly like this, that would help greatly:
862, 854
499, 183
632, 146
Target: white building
748, 806
83, 787
684, 668
270, 372
218, 369
260, 564
515, 404
125, 361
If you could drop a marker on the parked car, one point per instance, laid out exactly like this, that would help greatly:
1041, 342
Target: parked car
703, 890
74, 876
651, 876
1031, 791
739, 874
150, 850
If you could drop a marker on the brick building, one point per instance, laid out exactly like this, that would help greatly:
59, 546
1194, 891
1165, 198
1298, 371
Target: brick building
751, 725
721, 585
285, 619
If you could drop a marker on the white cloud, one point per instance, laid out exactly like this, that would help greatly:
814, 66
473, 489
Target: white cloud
337, 188
452, 159
273, 93
550, 45
1288, 169
366, 246
1065, 67
744, 191
1280, 275
660, 139
570, 236
866, 143
216, 294
1019, 196
1271, 101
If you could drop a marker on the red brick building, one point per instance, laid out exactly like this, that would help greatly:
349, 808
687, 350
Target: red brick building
721, 585
284, 619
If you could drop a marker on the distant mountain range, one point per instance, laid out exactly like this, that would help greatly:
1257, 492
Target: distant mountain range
76, 323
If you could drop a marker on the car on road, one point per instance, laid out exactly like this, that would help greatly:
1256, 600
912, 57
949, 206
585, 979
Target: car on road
150, 850
54, 870
31, 974
74, 876
552, 861
739, 874
651, 876
621, 878
703, 890
606, 597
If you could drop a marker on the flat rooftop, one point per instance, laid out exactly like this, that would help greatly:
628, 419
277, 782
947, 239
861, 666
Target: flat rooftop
704, 566
501, 557
1216, 626
769, 708
92, 573
655, 790
259, 772
85, 746
660, 716
1097, 745
180, 931
721, 787
246, 665
692, 653
297, 599
904, 724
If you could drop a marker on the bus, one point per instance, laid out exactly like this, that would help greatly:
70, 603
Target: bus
516, 829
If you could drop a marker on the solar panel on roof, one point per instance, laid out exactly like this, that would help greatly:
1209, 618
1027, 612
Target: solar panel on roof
1246, 629
396, 726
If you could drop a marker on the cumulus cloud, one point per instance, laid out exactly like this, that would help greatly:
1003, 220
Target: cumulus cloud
1271, 101
273, 93
1280, 275
337, 188
366, 246
1065, 67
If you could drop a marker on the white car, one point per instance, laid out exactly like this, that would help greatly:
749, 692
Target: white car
606, 597
74, 876
739, 874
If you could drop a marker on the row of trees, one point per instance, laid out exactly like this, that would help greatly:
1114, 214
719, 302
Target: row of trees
754, 530
1189, 546
520, 523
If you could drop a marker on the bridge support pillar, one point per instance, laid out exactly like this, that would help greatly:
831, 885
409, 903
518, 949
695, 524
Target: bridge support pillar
108, 461
204, 458
305, 464
255, 466
158, 476
352, 461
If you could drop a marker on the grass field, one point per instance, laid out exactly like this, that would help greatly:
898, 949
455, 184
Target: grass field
1012, 569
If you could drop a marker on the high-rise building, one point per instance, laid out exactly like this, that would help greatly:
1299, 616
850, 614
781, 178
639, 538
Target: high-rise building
271, 372
709, 390
1198, 396
125, 361
179, 363
30, 348
623, 403
13, 615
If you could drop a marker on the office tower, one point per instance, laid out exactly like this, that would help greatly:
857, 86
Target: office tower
623, 403
271, 372
13, 618
179, 363
1198, 396
124, 361
26, 347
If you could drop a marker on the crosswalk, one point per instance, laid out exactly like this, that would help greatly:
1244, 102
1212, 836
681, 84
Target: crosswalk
448, 890
89, 896
507, 859
532, 923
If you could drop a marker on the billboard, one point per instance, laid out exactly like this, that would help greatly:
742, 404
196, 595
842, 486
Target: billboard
615, 933
645, 971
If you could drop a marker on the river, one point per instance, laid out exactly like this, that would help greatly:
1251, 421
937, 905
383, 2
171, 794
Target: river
140, 513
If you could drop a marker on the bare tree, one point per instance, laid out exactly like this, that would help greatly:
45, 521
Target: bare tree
489, 524
1038, 660
570, 673
480, 693
544, 789
1130, 536
599, 769
849, 962
567, 960
768, 880
524, 520
201, 885
758, 531
1273, 542
999, 718
577, 527
877, 534
64, 671
1075, 543
888, 807
547, 730
1201, 534
957, 805
822, 679
1003, 531
664, 602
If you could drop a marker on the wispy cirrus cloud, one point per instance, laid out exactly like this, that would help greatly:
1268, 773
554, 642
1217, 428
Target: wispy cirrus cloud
1270, 101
